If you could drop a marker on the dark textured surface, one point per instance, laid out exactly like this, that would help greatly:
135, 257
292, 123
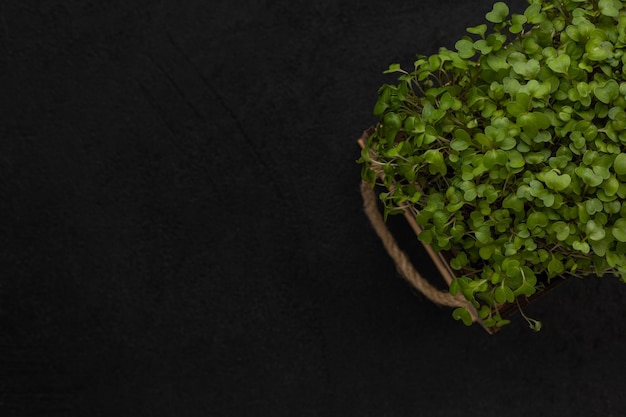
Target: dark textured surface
181, 232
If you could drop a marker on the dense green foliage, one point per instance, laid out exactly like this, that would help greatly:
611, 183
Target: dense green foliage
511, 150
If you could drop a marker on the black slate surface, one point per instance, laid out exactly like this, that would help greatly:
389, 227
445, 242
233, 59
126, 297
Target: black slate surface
181, 232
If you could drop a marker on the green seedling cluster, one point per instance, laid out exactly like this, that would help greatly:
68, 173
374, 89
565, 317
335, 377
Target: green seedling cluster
511, 150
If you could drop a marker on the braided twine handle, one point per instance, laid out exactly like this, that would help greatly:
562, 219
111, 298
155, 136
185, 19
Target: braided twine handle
404, 265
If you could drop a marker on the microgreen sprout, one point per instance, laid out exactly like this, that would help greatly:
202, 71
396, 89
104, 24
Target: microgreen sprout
511, 150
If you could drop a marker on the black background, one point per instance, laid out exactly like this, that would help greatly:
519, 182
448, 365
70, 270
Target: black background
181, 228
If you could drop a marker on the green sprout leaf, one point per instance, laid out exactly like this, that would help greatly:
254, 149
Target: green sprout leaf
562, 230
518, 21
527, 69
619, 165
560, 64
581, 246
594, 230
609, 7
557, 182
532, 122
436, 162
597, 48
504, 294
533, 13
478, 30
497, 61
610, 186
465, 48
556, 267
537, 219
619, 230
593, 206
392, 122
463, 314
590, 177
499, 13
516, 160
607, 91
495, 157
393, 68
461, 141
483, 234
535, 325
482, 46
459, 261
514, 203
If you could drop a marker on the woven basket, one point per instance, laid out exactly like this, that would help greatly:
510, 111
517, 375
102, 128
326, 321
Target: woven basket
439, 259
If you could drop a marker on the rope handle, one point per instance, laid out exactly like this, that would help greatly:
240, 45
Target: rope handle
404, 265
